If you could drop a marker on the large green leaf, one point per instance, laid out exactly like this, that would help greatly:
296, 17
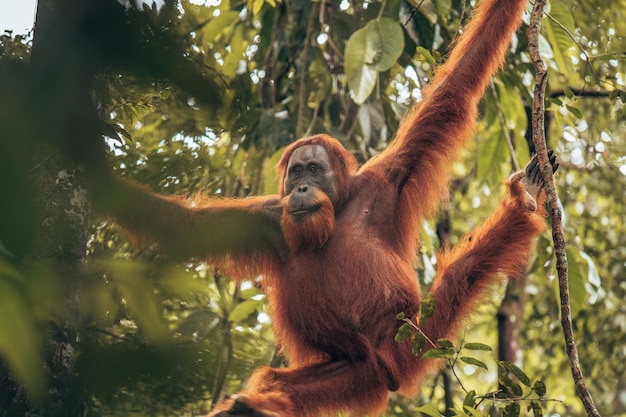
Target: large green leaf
557, 33
361, 78
19, 341
244, 309
386, 34
371, 49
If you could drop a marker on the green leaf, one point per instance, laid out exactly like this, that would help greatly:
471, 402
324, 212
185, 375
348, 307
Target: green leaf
470, 400
515, 370
370, 50
361, 78
574, 111
19, 342
439, 353
491, 153
387, 37
418, 343
251, 292
555, 100
536, 408
477, 346
540, 388
558, 37
256, 6
473, 361
405, 332
512, 410
427, 308
506, 112
428, 409
506, 381
244, 310
514, 115
425, 53
494, 411
472, 411
444, 343
593, 277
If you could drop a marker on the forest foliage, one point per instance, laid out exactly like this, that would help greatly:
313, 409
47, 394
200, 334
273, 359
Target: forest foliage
200, 97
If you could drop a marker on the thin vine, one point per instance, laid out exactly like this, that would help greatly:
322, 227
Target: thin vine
539, 139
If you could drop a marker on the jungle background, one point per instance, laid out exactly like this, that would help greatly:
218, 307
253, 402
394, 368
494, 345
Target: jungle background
193, 97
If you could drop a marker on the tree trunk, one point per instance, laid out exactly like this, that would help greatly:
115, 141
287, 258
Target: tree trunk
443, 227
57, 59
510, 315
60, 117
61, 246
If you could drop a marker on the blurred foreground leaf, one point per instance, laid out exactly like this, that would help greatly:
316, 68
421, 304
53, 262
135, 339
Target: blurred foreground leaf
20, 340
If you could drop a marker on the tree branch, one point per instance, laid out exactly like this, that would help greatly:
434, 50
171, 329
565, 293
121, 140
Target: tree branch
580, 92
538, 114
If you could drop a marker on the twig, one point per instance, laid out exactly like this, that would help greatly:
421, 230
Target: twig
417, 329
382, 9
415, 9
538, 114
316, 112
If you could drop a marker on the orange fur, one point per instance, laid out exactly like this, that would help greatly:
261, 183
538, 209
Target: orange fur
498, 248
313, 231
